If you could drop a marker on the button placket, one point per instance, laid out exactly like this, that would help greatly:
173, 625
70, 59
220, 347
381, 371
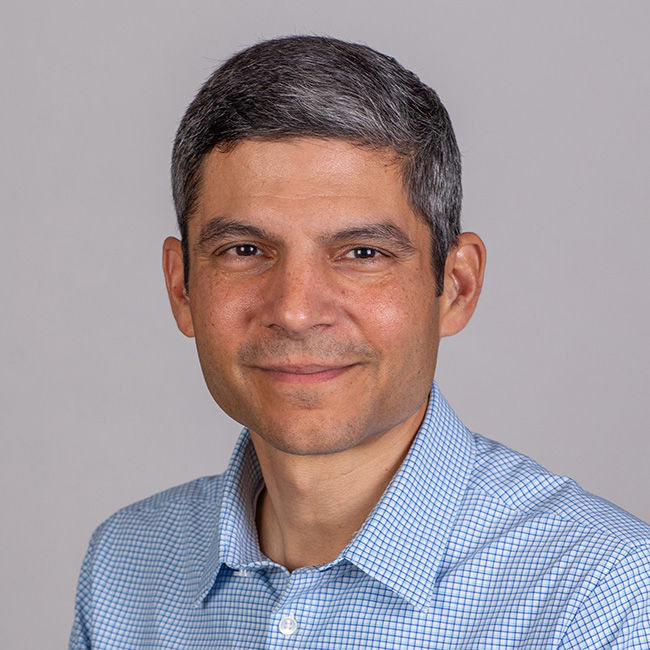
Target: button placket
288, 610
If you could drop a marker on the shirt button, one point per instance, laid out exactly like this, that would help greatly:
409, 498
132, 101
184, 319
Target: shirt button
288, 625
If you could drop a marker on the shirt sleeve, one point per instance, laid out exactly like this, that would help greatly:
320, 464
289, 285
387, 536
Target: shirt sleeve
81, 636
616, 615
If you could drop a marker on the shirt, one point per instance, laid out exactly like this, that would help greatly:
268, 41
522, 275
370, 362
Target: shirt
471, 546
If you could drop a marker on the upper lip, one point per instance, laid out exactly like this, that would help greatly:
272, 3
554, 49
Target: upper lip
304, 369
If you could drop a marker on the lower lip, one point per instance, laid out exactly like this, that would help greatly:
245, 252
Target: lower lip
307, 377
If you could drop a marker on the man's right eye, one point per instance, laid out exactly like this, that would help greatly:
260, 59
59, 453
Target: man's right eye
241, 257
246, 250
242, 250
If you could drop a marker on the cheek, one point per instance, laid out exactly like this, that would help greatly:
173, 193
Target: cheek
404, 316
222, 314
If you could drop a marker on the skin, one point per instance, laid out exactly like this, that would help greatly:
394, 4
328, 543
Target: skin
313, 303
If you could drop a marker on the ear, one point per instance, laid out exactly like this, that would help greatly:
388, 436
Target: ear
464, 270
175, 281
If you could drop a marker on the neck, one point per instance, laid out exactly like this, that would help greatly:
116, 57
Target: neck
313, 505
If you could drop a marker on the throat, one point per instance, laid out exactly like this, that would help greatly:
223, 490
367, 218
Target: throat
296, 538
313, 504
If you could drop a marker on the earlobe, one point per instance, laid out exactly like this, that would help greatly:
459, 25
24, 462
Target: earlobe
175, 281
464, 272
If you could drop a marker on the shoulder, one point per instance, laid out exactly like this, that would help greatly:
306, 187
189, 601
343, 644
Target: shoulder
552, 513
205, 490
162, 517
582, 560
151, 552
520, 484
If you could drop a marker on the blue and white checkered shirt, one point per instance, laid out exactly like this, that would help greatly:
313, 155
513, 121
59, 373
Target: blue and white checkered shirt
471, 546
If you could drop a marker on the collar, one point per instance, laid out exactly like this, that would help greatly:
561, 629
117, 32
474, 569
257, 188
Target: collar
403, 541
235, 541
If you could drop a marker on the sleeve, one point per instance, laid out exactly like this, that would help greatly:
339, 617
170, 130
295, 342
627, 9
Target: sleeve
616, 615
81, 635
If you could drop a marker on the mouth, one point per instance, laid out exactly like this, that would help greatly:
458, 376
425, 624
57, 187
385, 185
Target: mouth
304, 374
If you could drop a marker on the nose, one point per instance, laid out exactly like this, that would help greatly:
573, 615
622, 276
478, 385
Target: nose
299, 296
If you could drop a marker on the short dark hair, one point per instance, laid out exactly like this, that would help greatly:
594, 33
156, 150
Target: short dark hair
313, 86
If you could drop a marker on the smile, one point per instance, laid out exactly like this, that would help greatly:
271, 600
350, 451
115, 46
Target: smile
305, 374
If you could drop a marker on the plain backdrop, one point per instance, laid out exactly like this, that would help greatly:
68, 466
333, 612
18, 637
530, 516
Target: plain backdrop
103, 402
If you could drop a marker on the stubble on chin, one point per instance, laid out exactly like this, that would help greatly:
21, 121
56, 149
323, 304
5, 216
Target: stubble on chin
297, 418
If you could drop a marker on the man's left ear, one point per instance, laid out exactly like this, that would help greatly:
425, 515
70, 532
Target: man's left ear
464, 270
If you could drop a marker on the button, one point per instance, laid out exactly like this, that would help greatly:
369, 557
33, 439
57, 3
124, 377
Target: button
288, 625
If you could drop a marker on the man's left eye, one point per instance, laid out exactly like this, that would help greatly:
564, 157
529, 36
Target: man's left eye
363, 253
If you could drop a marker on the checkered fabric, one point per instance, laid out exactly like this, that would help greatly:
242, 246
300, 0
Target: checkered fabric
472, 546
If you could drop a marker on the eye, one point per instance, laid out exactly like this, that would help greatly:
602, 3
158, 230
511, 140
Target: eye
363, 253
238, 254
245, 250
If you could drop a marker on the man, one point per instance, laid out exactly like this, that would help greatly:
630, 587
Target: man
317, 187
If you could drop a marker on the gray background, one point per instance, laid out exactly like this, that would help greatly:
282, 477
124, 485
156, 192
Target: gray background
103, 402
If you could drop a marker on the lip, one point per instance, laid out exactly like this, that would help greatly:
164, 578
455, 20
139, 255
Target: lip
305, 374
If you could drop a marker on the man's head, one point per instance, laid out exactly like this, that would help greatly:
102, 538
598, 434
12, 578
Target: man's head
313, 179
308, 86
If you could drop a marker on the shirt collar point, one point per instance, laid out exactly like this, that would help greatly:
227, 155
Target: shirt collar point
206, 584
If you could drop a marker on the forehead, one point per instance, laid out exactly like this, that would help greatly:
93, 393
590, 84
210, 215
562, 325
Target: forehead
321, 181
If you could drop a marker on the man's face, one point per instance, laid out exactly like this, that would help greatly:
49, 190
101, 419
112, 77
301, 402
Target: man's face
311, 293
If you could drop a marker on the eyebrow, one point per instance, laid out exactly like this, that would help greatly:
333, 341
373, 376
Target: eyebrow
387, 233
222, 227
381, 233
